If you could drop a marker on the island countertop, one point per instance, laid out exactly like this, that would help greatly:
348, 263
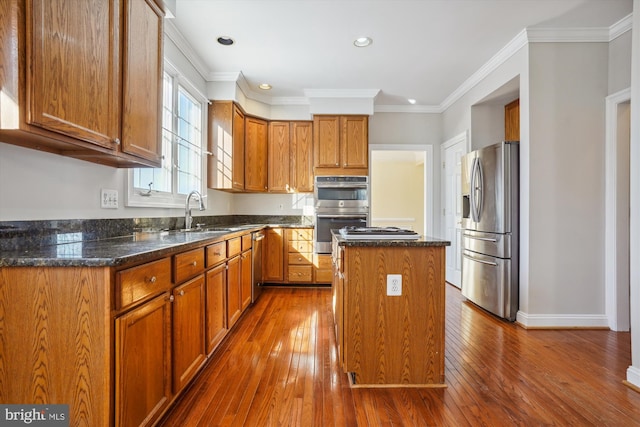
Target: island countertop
422, 241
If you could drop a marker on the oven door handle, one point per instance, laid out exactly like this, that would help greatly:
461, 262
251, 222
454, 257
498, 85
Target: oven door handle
340, 216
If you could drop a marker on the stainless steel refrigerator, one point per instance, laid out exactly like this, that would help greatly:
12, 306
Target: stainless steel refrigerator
490, 220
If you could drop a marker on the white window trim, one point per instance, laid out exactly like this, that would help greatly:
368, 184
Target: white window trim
134, 197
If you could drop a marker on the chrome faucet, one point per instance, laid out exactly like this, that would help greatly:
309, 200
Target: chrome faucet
188, 219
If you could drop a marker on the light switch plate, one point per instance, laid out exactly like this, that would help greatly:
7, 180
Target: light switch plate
108, 199
394, 285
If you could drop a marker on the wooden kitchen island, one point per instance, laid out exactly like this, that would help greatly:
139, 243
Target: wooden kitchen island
388, 304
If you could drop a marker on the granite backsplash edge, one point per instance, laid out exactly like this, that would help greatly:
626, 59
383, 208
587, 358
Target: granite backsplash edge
24, 235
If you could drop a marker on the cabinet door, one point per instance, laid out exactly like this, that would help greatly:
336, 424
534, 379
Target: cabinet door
143, 363
273, 256
188, 331
245, 279
234, 305
216, 306
237, 177
142, 80
225, 163
301, 157
73, 68
326, 141
512, 121
279, 156
354, 142
255, 154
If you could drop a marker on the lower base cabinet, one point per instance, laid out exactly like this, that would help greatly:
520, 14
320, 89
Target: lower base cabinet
216, 306
143, 363
188, 331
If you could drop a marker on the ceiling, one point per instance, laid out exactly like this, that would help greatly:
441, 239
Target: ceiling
422, 49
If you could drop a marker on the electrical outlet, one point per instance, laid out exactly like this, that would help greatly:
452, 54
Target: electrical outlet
394, 285
108, 199
281, 206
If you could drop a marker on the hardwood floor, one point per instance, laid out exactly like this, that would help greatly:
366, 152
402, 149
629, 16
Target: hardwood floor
278, 368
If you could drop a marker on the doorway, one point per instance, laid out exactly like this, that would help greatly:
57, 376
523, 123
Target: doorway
401, 187
617, 211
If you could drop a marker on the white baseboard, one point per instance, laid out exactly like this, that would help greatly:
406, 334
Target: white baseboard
561, 321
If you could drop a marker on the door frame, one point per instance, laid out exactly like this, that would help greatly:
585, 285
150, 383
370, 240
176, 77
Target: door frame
428, 177
617, 309
460, 138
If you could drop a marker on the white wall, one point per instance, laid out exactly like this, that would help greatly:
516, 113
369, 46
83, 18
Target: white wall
620, 63
567, 88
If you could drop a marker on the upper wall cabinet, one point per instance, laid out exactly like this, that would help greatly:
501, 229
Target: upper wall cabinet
226, 146
512, 121
340, 145
255, 154
290, 156
83, 79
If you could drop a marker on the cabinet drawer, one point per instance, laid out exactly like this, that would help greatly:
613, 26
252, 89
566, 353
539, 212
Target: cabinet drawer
300, 258
323, 276
137, 283
300, 273
234, 246
216, 253
188, 264
246, 242
300, 246
300, 234
322, 261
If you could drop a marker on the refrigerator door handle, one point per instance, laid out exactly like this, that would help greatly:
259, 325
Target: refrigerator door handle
494, 264
472, 193
478, 197
484, 239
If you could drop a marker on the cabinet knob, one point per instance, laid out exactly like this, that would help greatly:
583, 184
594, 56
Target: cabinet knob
181, 293
299, 258
117, 141
337, 164
194, 263
152, 279
171, 298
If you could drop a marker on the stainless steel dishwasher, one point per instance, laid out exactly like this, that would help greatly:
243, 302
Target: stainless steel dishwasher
256, 265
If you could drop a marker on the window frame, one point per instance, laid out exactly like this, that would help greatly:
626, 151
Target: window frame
134, 196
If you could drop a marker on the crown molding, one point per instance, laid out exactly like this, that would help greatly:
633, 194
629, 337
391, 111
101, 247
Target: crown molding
621, 27
172, 32
517, 43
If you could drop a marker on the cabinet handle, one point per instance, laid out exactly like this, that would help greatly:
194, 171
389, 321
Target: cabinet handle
152, 279
217, 253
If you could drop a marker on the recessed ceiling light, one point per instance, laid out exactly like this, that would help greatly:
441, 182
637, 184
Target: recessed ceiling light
411, 101
362, 41
264, 86
225, 41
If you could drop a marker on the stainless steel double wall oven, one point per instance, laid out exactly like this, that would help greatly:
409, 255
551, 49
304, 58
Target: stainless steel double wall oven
340, 201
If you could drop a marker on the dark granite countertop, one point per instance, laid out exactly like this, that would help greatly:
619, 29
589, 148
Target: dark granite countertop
420, 242
76, 250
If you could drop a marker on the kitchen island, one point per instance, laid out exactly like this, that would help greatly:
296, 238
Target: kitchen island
388, 303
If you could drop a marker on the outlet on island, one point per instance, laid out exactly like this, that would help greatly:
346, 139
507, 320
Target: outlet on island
109, 199
394, 285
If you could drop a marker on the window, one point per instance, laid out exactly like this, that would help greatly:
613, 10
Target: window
182, 138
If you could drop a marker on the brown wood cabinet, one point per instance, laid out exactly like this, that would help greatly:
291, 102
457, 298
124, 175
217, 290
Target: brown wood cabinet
234, 305
273, 255
225, 164
83, 79
188, 334
255, 154
322, 272
512, 121
340, 145
299, 243
407, 344
143, 362
216, 306
291, 156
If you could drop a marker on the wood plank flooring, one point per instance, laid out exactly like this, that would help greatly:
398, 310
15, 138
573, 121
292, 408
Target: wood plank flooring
278, 368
